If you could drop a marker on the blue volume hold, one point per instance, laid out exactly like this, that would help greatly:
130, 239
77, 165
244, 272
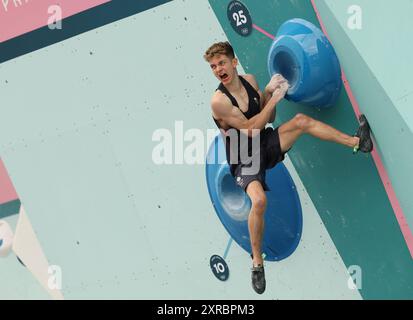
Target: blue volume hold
283, 217
306, 58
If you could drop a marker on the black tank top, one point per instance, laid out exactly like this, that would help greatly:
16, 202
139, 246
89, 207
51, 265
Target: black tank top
253, 109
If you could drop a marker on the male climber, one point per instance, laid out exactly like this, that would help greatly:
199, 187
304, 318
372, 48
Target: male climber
238, 104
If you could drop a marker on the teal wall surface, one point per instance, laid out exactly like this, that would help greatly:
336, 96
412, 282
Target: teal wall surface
346, 189
379, 68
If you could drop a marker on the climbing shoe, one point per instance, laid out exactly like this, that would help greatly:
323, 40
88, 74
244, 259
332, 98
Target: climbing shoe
258, 279
363, 133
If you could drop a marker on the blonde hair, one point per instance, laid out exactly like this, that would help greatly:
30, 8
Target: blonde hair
223, 48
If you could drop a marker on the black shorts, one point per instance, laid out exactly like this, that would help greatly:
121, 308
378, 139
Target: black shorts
271, 154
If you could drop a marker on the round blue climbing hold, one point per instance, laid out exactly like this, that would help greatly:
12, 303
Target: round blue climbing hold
283, 216
306, 58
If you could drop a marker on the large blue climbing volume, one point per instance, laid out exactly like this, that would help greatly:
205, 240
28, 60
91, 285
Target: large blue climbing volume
306, 58
283, 216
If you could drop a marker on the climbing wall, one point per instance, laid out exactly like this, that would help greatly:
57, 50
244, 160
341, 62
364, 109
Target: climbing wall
348, 191
80, 110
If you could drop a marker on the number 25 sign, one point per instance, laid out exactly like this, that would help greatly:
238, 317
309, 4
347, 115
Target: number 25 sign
240, 18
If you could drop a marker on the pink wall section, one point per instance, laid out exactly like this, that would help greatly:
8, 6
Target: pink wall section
7, 192
21, 16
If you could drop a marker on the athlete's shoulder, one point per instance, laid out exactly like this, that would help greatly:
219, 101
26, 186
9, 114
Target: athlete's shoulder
252, 80
220, 104
248, 76
219, 98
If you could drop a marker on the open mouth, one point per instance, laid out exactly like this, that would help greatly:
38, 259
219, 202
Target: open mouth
223, 76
